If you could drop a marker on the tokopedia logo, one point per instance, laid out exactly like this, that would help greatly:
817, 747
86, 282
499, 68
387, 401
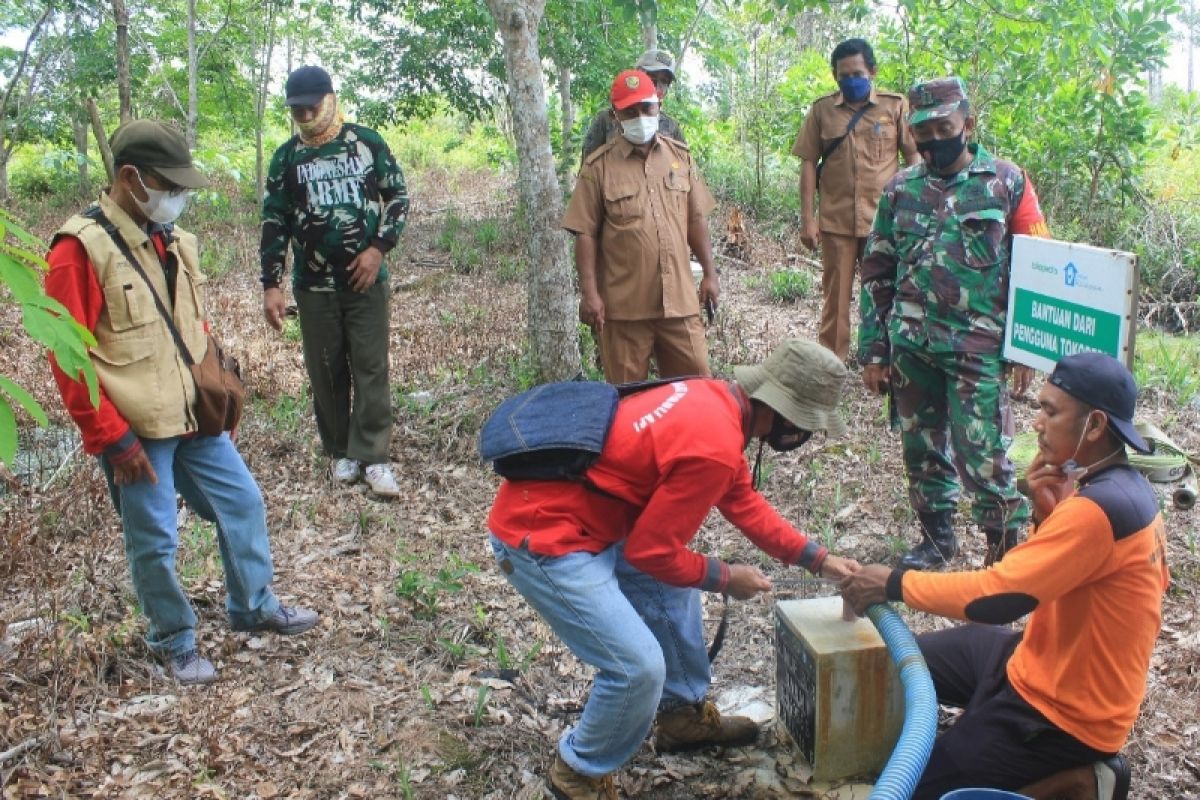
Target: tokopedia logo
1049, 269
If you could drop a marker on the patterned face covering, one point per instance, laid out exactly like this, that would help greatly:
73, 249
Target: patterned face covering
325, 125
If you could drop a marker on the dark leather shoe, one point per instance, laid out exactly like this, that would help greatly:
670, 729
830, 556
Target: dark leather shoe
938, 545
286, 621
701, 725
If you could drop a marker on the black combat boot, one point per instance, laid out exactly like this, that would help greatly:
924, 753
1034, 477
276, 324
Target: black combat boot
998, 544
938, 545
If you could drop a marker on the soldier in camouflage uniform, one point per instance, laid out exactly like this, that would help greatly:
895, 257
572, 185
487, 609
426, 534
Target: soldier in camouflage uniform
934, 302
335, 192
605, 128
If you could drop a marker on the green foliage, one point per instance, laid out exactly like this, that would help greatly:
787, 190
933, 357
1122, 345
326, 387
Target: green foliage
450, 141
789, 285
424, 591
45, 320
1170, 364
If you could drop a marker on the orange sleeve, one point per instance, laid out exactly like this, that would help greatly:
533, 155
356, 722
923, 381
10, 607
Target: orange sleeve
1028, 219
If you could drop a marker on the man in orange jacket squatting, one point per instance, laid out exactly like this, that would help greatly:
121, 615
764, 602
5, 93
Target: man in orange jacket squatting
1063, 693
607, 566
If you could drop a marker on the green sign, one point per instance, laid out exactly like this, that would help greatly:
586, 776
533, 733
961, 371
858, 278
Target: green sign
1052, 327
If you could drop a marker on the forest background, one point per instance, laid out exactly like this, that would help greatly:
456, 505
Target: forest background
484, 105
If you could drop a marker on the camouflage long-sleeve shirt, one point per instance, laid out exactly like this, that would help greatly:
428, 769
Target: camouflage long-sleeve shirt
331, 202
935, 273
605, 128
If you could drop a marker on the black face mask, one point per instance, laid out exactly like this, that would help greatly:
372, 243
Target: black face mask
784, 436
942, 153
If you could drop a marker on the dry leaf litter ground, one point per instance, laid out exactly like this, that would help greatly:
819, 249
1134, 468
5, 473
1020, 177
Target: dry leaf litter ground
428, 676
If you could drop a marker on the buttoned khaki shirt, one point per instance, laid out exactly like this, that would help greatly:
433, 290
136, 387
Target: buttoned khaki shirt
639, 210
855, 173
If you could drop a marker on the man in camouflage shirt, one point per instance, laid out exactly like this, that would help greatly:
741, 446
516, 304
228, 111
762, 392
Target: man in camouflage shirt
935, 297
336, 194
658, 64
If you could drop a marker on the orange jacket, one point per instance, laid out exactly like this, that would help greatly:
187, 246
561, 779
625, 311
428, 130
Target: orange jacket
1093, 573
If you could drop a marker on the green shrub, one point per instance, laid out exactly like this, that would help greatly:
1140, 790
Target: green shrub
789, 285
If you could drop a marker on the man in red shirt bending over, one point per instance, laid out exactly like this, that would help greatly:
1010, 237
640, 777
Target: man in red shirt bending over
607, 565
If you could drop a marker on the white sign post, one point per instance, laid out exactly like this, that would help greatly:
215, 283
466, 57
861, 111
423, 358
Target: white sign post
1065, 298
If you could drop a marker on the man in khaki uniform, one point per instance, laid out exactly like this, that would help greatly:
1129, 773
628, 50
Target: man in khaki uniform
852, 172
639, 206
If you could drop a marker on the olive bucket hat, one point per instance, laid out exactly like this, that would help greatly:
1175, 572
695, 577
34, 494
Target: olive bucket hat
801, 380
157, 146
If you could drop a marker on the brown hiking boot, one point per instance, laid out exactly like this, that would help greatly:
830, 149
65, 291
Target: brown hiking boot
701, 725
567, 784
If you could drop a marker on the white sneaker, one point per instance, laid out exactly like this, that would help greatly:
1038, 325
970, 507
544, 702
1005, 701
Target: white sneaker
382, 480
346, 470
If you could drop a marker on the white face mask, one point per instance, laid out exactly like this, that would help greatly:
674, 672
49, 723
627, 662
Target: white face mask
1071, 467
161, 206
639, 130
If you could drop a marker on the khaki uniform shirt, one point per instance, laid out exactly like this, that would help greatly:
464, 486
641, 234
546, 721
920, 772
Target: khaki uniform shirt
856, 172
639, 211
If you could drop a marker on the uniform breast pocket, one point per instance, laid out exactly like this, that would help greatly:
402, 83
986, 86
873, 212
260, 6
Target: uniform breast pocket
911, 228
677, 186
982, 236
882, 140
622, 203
129, 305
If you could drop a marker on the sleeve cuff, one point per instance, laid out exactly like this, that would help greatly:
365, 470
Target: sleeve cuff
382, 245
895, 585
124, 448
270, 285
812, 557
716, 576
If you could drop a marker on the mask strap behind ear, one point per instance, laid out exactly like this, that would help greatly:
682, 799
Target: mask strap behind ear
756, 474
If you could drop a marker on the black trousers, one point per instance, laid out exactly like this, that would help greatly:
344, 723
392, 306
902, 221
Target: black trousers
1000, 741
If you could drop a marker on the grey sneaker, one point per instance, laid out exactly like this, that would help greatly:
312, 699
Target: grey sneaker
346, 470
382, 480
286, 621
191, 668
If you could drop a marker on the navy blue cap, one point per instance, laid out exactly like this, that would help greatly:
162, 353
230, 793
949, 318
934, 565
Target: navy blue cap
1102, 382
307, 85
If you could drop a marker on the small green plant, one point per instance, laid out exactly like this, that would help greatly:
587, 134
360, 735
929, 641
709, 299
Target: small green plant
427, 696
789, 285
511, 269
1169, 363
424, 591
488, 233
480, 705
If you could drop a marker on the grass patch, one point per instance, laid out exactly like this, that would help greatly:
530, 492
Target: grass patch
1170, 364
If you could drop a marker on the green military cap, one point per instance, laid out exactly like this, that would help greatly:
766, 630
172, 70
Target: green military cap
935, 99
157, 146
656, 61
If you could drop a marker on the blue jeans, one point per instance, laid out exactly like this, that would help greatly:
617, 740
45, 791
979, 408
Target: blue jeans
645, 639
209, 473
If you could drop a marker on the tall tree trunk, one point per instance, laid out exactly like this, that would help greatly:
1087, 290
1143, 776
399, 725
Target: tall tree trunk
124, 82
264, 87
648, 16
193, 100
79, 126
567, 159
101, 139
553, 339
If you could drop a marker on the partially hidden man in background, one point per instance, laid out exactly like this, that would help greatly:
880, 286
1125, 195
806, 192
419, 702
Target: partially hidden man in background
850, 141
144, 430
638, 209
607, 566
337, 195
935, 299
1047, 709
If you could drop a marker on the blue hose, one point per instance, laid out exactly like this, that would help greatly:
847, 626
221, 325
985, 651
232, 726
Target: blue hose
907, 762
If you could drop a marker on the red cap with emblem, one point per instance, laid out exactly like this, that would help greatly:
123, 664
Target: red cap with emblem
631, 87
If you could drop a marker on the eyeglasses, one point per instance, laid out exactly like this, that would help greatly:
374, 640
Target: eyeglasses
170, 188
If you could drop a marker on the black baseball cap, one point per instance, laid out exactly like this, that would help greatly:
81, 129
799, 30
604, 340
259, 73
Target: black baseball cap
1102, 382
155, 145
307, 85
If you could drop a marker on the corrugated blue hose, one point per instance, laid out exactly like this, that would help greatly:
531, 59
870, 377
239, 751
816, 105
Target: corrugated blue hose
907, 762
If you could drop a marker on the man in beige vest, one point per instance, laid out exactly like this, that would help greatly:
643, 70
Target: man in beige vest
144, 428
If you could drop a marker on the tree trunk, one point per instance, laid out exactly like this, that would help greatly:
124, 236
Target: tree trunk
193, 66
79, 125
101, 139
553, 339
567, 160
264, 86
648, 16
124, 82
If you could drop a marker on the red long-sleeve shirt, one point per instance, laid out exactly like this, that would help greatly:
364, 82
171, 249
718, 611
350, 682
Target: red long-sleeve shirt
673, 453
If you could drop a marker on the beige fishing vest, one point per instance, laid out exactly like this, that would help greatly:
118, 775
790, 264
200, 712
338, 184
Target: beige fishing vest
135, 356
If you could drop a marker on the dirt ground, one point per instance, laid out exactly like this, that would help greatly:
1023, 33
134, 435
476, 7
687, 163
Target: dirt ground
428, 676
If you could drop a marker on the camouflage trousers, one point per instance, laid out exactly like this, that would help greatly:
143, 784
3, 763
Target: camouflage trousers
955, 422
